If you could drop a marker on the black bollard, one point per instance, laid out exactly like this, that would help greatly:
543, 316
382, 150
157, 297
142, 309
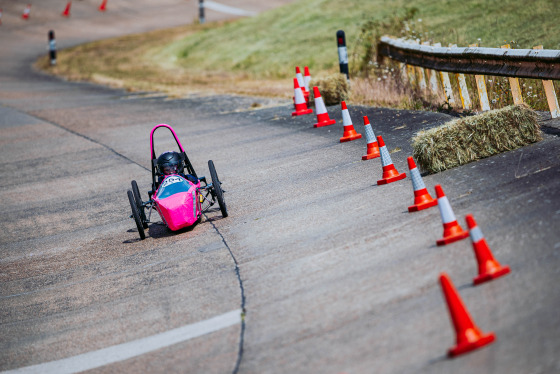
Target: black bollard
52, 48
201, 11
342, 53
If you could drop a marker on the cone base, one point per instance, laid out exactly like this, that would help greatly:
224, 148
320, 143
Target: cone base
371, 155
453, 238
350, 137
481, 278
393, 179
325, 123
423, 205
302, 112
471, 346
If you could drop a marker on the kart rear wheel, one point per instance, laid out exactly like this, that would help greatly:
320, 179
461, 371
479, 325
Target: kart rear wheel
217, 186
136, 215
139, 204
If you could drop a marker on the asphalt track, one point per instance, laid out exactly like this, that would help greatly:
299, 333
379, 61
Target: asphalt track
334, 275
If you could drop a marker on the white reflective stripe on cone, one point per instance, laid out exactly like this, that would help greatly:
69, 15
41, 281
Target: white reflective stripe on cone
417, 182
346, 120
385, 158
370, 136
445, 210
299, 96
320, 105
306, 80
476, 234
300, 80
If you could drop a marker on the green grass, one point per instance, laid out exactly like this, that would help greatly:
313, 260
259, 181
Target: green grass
257, 55
303, 33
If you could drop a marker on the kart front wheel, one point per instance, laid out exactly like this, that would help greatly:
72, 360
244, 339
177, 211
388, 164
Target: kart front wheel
139, 204
217, 186
136, 215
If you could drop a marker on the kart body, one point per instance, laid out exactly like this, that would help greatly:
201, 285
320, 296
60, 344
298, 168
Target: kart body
177, 202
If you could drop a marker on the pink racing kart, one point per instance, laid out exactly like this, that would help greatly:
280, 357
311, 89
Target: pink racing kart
181, 197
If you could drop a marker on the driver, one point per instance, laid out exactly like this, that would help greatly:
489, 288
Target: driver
169, 163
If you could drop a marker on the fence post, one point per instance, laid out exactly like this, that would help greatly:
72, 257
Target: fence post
402, 69
342, 53
464, 93
446, 84
481, 86
514, 85
411, 75
432, 77
421, 78
550, 94
52, 47
201, 18
420, 73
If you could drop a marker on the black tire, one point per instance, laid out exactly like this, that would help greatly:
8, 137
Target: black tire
136, 215
139, 204
217, 186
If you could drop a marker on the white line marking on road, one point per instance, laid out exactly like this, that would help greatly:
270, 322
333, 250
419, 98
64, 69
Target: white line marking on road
121, 352
227, 9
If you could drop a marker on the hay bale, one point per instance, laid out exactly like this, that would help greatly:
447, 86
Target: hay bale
333, 88
471, 138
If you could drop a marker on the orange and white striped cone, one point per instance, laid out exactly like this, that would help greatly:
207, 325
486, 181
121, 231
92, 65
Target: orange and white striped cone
26, 12
323, 118
390, 173
372, 146
468, 336
66, 12
452, 231
349, 132
103, 6
306, 78
422, 198
300, 105
301, 83
488, 267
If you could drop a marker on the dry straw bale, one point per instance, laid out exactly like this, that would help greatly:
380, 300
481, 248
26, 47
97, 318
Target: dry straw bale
334, 88
471, 138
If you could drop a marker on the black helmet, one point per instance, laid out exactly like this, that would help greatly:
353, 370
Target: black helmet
170, 163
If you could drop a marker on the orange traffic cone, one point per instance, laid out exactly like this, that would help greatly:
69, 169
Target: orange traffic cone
103, 6
469, 336
301, 83
488, 267
306, 78
300, 105
26, 12
390, 173
372, 146
422, 198
349, 132
323, 118
452, 231
66, 12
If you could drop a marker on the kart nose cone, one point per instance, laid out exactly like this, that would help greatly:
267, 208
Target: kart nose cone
178, 210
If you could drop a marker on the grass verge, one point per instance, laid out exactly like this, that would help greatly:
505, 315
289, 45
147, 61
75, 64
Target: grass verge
146, 62
257, 55
471, 138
